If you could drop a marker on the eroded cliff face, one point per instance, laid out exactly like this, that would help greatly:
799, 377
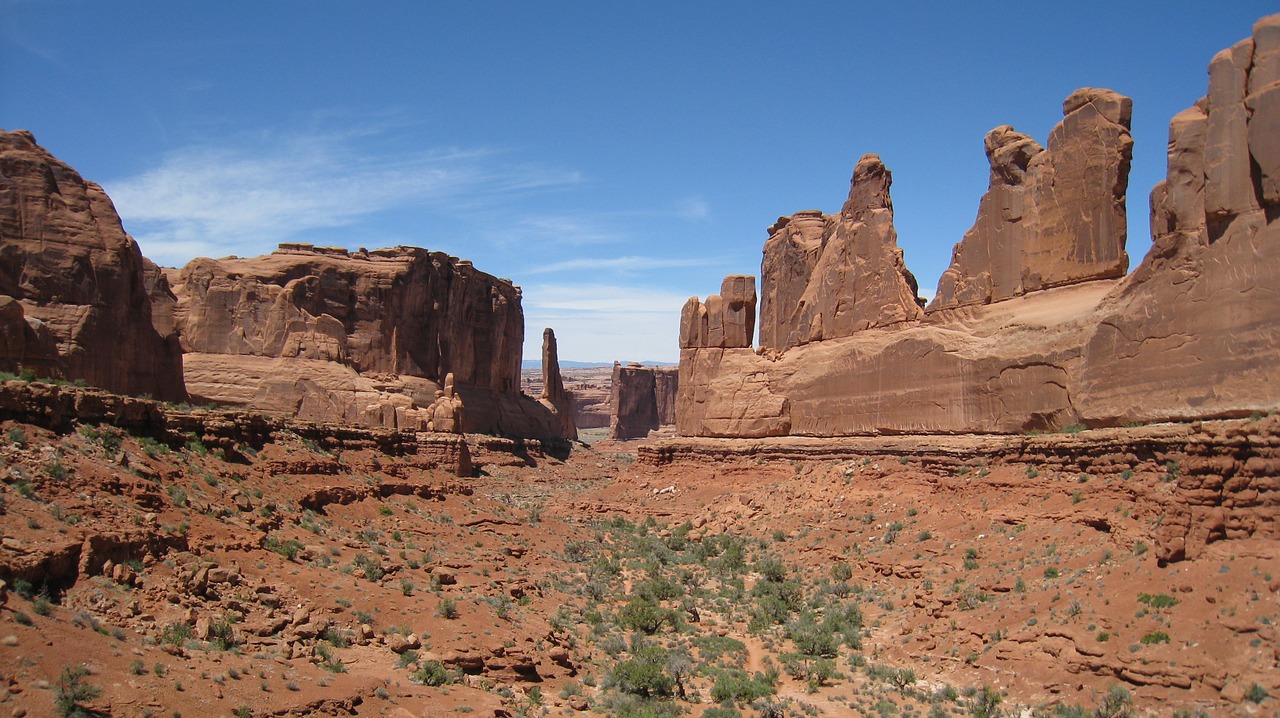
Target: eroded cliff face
74, 301
825, 277
1195, 331
1050, 217
643, 398
1034, 327
363, 337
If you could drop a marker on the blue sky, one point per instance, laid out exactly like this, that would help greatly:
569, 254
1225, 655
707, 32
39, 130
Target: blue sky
612, 159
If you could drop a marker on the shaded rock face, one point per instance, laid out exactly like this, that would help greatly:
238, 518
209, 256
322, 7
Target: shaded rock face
81, 308
826, 277
643, 399
364, 337
1194, 331
1050, 217
1034, 327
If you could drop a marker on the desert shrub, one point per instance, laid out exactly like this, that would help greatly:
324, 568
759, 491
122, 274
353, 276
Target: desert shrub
735, 686
643, 674
1117, 703
175, 634
643, 614
712, 647
1159, 600
985, 703
72, 691
289, 549
811, 639
432, 673
448, 608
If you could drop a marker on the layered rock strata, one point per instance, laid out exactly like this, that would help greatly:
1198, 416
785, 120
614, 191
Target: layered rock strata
364, 337
642, 399
1033, 327
74, 300
1050, 217
1206, 481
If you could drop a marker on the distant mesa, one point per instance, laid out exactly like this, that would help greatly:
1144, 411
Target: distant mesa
1034, 326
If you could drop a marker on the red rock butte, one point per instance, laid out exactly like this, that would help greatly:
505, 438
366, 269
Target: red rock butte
1035, 325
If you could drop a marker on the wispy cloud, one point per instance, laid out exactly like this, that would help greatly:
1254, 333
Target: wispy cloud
621, 265
694, 209
248, 195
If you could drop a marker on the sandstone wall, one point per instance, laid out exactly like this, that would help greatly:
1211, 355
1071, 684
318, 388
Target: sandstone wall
1034, 326
1195, 331
643, 398
74, 301
367, 337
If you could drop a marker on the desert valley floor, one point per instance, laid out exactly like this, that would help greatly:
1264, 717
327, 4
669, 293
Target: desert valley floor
206, 576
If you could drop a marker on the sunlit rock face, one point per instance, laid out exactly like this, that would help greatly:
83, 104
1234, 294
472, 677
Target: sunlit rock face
1034, 326
363, 337
74, 297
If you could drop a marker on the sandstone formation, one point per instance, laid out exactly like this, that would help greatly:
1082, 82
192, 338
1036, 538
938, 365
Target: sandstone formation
364, 337
554, 396
74, 300
1050, 217
1194, 331
1033, 327
642, 399
725, 320
827, 277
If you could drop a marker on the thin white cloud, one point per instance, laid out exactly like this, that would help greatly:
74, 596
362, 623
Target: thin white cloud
574, 230
694, 209
247, 197
624, 265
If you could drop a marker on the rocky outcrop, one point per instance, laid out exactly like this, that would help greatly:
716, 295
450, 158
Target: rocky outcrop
78, 304
1033, 327
1050, 217
643, 399
725, 320
364, 337
555, 397
1194, 332
394, 311
827, 277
